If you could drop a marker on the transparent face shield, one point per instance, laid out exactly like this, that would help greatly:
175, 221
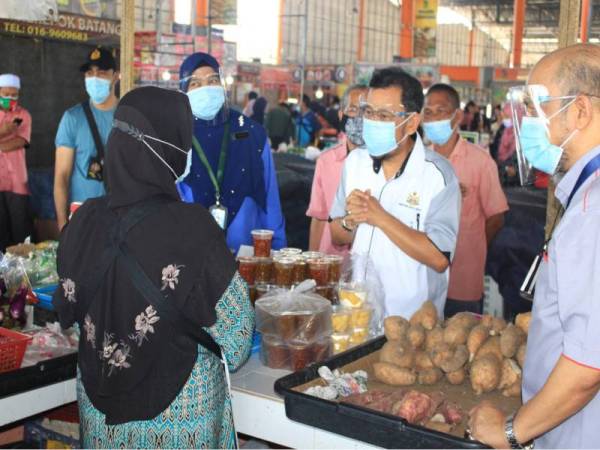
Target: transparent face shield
215, 79
531, 103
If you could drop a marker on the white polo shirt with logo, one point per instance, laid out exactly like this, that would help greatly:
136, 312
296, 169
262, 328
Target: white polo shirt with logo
425, 195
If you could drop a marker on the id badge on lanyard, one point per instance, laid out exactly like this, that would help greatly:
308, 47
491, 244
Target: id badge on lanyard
219, 213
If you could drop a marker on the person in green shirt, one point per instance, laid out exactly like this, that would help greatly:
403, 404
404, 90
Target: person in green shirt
279, 125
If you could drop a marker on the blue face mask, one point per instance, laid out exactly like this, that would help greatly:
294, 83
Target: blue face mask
206, 101
440, 131
380, 137
537, 148
98, 89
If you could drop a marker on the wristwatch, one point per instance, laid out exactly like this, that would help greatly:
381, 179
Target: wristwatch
345, 226
509, 431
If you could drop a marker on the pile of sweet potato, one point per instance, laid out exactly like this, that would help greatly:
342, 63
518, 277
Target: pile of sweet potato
485, 350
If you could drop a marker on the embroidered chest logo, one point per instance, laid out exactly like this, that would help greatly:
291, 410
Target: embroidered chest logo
241, 121
95, 55
413, 199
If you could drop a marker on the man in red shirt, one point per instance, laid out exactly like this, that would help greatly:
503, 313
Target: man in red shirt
483, 204
15, 134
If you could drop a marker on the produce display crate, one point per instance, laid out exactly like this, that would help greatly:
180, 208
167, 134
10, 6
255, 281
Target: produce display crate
365, 424
12, 349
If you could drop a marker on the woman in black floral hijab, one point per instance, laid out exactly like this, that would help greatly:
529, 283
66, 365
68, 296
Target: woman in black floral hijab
143, 380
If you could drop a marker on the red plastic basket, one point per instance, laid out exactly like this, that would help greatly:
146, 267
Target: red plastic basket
12, 349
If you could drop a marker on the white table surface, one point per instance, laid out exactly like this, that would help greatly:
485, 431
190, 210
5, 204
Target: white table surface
258, 411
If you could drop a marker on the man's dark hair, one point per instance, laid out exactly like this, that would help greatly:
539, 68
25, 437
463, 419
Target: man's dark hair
412, 90
452, 93
306, 100
252, 95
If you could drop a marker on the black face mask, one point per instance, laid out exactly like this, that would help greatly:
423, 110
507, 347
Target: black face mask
345, 118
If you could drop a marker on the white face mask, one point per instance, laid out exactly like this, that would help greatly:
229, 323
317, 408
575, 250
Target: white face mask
136, 134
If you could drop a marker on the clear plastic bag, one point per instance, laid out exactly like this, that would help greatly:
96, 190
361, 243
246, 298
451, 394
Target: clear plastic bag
295, 326
361, 288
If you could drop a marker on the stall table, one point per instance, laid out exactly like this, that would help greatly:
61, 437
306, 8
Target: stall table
258, 411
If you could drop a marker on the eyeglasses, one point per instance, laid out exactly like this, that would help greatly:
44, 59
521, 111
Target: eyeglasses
381, 115
352, 110
212, 79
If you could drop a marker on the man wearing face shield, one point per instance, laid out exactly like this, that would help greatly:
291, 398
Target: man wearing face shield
232, 173
561, 376
15, 134
483, 201
82, 135
328, 172
399, 203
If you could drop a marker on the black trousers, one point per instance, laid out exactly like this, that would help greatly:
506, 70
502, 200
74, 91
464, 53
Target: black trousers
455, 306
15, 219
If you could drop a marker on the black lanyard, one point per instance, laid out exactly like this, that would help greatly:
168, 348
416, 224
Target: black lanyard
587, 172
217, 180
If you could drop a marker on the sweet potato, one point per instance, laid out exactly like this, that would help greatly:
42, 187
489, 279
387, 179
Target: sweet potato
522, 321
430, 376
457, 377
398, 353
423, 361
456, 334
510, 340
495, 324
442, 427
476, 339
417, 407
440, 354
395, 328
491, 346
426, 316
463, 319
485, 374
511, 373
434, 338
416, 336
457, 360
451, 412
395, 376
521, 355
513, 390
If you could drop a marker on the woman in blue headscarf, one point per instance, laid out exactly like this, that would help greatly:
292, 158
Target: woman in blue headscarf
232, 174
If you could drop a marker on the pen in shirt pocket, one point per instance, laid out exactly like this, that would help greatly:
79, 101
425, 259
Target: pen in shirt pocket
418, 220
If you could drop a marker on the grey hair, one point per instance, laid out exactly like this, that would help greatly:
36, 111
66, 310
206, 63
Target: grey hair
580, 73
350, 90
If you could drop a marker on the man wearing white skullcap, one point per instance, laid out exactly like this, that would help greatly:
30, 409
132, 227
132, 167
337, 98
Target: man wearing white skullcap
15, 134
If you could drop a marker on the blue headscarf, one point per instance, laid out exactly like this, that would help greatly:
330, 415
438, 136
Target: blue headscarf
193, 62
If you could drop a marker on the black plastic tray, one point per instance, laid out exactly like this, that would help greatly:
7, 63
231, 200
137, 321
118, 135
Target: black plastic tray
42, 374
355, 422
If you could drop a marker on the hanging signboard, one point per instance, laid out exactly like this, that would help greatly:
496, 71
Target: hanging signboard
425, 28
68, 27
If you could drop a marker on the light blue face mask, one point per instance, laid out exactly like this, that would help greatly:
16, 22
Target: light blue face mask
206, 101
98, 89
537, 148
440, 131
380, 137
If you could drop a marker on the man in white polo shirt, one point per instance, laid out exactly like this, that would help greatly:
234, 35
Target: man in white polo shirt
398, 202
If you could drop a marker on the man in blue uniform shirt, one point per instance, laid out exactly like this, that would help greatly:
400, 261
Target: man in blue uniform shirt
232, 174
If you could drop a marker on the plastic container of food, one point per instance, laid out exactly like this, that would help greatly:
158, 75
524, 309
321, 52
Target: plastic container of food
359, 336
247, 268
263, 272
284, 271
319, 271
340, 342
340, 319
300, 269
262, 242
361, 317
352, 295
335, 268
274, 353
